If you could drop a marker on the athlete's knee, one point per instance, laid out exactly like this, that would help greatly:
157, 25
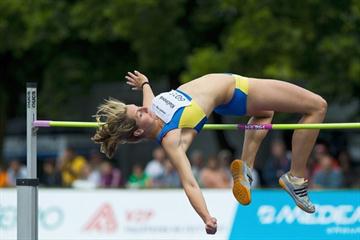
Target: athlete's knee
319, 106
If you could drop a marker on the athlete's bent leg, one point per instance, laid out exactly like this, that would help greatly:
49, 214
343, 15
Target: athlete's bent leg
253, 139
278, 96
241, 169
273, 95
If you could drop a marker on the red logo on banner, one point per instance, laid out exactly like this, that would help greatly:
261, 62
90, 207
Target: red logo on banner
139, 215
103, 220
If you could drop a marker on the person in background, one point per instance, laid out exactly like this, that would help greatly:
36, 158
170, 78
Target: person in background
328, 175
170, 179
344, 160
277, 164
87, 178
51, 177
225, 157
155, 168
71, 165
321, 148
138, 178
95, 159
197, 163
16, 170
355, 180
213, 176
3, 177
110, 177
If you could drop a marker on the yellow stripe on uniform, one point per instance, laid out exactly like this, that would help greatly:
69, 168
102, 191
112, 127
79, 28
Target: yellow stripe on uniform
242, 83
191, 116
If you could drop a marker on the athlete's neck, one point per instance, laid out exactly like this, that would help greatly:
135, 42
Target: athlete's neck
155, 129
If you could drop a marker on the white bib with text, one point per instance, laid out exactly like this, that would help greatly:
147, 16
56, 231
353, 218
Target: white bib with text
166, 104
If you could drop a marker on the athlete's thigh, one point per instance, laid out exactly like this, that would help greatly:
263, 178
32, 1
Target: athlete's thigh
260, 113
279, 96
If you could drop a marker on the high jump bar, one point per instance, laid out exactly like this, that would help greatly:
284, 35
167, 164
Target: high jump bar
352, 125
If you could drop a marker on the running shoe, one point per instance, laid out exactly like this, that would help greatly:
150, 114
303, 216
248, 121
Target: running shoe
242, 177
299, 192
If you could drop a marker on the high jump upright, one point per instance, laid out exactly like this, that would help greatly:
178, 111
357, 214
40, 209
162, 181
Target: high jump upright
27, 189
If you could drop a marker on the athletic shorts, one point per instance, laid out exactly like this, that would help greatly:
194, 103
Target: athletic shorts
237, 105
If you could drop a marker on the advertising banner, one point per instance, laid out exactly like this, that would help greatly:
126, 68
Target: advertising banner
167, 214
273, 215
119, 214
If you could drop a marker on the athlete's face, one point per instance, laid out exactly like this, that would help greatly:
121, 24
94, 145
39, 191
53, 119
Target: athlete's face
142, 115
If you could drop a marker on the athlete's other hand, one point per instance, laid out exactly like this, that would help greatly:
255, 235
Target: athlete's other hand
211, 226
136, 80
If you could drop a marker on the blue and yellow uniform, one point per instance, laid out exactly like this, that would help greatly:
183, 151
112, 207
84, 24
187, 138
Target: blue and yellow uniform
237, 105
192, 116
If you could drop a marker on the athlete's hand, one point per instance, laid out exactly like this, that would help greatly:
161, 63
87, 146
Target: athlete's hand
211, 226
136, 80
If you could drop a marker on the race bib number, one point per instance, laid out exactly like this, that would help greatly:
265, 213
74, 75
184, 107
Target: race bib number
166, 104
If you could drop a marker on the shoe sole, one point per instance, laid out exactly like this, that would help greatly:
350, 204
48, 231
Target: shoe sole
283, 186
240, 191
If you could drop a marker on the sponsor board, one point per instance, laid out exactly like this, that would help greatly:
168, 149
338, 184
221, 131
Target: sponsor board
167, 214
119, 214
273, 215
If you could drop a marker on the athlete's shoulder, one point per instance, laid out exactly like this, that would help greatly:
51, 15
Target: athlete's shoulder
172, 138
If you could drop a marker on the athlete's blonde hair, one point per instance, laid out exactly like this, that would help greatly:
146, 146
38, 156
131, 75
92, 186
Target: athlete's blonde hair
117, 127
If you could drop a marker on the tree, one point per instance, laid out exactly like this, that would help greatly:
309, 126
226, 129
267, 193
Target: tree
291, 41
66, 46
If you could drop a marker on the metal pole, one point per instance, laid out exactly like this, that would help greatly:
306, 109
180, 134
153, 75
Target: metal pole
31, 107
27, 192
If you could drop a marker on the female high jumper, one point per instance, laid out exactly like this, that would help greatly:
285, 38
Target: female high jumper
174, 118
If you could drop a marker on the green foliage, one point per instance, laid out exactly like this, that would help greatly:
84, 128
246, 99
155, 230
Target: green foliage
316, 42
68, 45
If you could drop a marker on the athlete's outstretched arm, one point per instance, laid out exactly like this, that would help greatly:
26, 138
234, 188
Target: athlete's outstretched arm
139, 82
187, 136
172, 145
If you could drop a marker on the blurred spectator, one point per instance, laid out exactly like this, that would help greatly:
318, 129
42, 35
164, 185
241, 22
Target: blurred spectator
277, 164
110, 177
93, 176
355, 180
344, 160
3, 177
95, 160
71, 165
51, 177
16, 170
327, 175
213, 176
155, 168
138, 178
170, 179
197, 163
320, 149
87, 178
225, 158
